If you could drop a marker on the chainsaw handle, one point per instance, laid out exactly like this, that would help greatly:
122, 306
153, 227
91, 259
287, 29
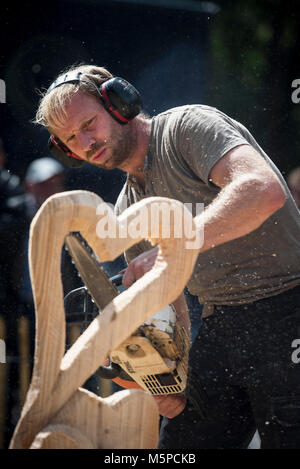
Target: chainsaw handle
109, 372
117, 279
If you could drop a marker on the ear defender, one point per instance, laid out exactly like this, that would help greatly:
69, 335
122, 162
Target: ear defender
119, 98
63, 154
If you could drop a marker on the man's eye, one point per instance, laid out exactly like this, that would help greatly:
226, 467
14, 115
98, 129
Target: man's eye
86, 125
89, 122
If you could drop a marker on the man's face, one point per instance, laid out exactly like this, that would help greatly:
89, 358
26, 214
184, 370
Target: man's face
91, 133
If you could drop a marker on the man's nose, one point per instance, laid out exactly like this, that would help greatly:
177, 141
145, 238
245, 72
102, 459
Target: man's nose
86, 141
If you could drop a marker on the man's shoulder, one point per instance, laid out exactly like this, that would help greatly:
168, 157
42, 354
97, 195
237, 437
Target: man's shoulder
190, 116
186, 109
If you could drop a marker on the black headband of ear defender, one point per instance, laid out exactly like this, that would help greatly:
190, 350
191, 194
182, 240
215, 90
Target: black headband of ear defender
120, 99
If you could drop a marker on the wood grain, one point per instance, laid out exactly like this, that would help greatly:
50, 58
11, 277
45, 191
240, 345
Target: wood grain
57, 412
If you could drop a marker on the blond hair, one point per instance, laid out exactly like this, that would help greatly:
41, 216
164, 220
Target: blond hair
51, 112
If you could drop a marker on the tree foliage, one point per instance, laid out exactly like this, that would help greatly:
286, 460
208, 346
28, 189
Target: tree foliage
254, 60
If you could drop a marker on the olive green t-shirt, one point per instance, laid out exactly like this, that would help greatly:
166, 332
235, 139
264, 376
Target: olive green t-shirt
185, 143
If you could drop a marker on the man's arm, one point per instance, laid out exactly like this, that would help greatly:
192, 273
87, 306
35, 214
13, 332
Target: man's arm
251, 193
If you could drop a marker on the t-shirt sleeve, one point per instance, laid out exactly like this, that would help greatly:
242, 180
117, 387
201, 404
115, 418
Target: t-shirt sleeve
206, 137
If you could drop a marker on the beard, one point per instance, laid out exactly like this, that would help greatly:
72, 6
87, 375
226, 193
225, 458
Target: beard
120, 148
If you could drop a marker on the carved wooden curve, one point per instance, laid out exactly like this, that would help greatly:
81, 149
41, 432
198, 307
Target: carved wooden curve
57, 412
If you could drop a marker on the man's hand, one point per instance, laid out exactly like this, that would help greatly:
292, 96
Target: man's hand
139, 266
142, 264
171, 405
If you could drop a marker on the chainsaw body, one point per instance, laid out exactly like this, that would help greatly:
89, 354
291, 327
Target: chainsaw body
156, 355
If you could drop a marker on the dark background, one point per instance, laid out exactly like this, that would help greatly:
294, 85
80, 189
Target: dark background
162, 51
241, 57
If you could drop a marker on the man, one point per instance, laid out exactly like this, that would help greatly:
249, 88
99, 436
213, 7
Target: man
43, 178
247, 274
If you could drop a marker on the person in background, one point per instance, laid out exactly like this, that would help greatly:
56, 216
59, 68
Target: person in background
293, 181
12, 228
12, 220
43, 178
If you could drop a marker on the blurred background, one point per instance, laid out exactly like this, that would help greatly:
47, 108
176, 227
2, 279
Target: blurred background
241, 57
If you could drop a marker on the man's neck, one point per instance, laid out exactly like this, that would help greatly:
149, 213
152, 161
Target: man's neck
135, 166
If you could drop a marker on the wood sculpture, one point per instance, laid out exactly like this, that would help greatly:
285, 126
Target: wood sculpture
57, 412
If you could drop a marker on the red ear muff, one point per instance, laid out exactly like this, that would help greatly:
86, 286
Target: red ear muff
112, 110
63, 153
59, 144
120, 99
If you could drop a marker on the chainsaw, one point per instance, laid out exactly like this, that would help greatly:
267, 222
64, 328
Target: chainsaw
155, 356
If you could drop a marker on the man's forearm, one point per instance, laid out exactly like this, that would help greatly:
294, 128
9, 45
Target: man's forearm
241, 207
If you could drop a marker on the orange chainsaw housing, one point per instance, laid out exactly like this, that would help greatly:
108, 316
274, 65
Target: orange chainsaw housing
124, 383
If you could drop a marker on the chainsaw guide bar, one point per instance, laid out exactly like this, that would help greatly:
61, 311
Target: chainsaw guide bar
156, 355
